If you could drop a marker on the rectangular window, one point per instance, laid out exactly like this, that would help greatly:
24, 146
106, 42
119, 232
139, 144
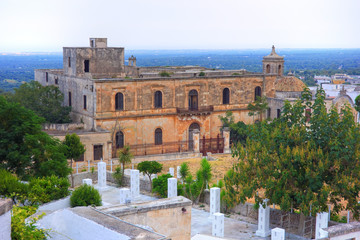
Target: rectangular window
278, 113
269, 113
56, 81
69, 99
86, 65
80, 159
69, 61
47, 77
85, 102
98, 152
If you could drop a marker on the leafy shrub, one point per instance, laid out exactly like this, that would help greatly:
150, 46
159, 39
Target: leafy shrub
164, 74
22, 230
201, 74
46, 189
118, 176
160, 184
11, 187
85, 195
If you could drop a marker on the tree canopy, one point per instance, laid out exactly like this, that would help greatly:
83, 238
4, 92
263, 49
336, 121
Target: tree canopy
149, 168
24, 148
300, 160
45, 101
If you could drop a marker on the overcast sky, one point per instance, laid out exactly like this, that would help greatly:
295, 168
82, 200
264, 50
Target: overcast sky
48, 25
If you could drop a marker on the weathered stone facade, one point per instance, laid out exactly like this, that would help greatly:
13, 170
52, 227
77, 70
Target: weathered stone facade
133, 102
93, 76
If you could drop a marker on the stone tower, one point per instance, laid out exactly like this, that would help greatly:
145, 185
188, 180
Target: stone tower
273, 63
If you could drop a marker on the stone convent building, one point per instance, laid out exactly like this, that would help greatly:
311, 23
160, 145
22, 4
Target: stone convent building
159, 108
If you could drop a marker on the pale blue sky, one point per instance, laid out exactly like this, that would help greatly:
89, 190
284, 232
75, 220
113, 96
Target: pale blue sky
48, 25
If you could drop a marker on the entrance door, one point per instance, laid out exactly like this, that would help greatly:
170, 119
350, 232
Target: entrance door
192, 127
193, 100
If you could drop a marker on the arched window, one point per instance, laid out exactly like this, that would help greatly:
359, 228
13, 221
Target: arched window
268, 68
193, 100
158, 136
119, 101
119, 139
158, 99
279, 70
226, 96
257, 92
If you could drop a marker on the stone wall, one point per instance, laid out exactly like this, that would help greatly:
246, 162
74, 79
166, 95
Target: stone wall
170, 217
144, 182
5, 219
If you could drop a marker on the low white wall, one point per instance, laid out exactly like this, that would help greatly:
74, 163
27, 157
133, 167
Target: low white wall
5, 226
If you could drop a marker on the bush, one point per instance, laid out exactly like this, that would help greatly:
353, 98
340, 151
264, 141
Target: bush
118, 176
46, 189
160, 184
201, 74
11, 187
164, 74
85, 195
22, 230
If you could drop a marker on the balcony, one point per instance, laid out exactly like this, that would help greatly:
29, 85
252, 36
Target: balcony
195, 111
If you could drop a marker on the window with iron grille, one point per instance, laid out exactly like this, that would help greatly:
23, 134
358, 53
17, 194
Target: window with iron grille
158, 99
226, 96
98, 152
269, 113
158, 136
119, 139
119, 101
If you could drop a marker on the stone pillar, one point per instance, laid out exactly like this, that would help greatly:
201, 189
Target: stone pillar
102, 174
277, 234
5, 219
178, 174
171, 171
321, 222
214, 200
172, 187
218, 225
134, 183
196, 140
125, 196
87, 181
226, 136
263, 220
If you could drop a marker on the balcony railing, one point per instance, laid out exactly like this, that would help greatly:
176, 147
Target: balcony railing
198, 110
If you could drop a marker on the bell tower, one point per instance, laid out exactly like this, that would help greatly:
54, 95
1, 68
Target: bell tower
273, 63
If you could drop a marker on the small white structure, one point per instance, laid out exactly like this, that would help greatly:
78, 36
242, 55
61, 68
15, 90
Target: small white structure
214, 200
125, 196
135, 183
172, 187
171, 171
102, 174
277, 234
218, 225
263, 221
178, 174
321, 222
87, 181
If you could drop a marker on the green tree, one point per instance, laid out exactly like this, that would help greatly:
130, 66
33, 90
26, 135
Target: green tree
125, 157
298, 162
258, 107
149, 168
73, 150
45, 101
24, 148
184, 171
357, 103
